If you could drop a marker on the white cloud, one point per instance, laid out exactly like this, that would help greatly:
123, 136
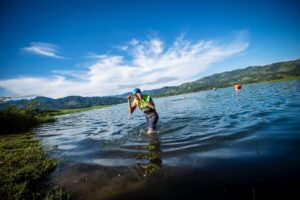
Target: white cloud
122, 47
43, 49
149, 64
133, 42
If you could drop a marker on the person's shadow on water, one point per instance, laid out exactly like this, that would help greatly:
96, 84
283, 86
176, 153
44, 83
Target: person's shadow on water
153, 157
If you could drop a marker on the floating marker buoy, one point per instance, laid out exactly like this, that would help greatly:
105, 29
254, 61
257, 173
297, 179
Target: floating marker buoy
237, 86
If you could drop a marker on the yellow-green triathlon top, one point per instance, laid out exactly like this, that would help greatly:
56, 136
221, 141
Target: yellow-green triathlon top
143, 106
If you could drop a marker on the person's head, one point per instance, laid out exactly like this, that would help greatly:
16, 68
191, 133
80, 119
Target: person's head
137, 93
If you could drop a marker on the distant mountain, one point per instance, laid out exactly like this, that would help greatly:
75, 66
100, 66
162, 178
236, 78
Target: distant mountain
70, 102
253, 74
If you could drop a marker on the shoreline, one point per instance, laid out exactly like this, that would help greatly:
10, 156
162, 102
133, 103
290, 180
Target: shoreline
270, 81
75, 110
24, 168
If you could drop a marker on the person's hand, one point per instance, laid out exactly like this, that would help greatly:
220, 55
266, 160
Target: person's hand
129, 97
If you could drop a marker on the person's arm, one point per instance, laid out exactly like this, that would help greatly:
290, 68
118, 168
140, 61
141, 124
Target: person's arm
131, 108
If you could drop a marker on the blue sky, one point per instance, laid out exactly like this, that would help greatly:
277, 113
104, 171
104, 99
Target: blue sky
96, 48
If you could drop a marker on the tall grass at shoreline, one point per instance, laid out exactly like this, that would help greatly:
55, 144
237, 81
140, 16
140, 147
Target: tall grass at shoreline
14, 119
24, 166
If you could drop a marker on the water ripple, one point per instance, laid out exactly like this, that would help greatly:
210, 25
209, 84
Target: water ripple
191, 125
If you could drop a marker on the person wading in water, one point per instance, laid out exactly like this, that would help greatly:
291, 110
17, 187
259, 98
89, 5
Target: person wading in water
146, 104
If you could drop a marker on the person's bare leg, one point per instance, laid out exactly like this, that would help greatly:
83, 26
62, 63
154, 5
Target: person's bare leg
150, 131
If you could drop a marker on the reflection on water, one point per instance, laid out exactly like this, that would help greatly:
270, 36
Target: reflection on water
212, 141
153, 156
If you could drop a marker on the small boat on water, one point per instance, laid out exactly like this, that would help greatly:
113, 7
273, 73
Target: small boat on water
237, 86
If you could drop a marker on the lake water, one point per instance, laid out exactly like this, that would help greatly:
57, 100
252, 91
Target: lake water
214, 144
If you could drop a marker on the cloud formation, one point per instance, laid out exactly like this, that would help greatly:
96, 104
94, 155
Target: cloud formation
147, 64
43, 49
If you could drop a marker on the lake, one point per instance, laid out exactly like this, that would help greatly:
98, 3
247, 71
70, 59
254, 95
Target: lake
221, 143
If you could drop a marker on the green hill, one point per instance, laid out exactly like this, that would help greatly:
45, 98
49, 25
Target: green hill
253, 74
70, 102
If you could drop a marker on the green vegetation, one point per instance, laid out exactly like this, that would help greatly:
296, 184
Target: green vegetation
285, 79
68, 111
281, 71
70, 102
14, 119
23, 167
23, 163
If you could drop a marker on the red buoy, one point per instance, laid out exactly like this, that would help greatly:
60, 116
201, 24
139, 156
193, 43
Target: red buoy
237, 86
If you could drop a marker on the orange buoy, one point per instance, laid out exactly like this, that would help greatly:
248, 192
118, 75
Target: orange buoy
237, 86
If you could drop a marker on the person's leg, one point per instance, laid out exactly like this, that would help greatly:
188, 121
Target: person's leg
152, 122
148, 121
155, 120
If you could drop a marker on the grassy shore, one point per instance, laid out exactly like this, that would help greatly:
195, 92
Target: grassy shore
291, 78
16, 120
68, 111
24, 166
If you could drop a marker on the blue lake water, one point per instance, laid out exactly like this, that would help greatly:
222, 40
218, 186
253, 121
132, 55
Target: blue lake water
238, 144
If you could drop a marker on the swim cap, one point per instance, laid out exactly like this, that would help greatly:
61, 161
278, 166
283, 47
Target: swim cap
136, 90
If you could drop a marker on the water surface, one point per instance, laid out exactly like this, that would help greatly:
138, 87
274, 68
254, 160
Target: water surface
223, 143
